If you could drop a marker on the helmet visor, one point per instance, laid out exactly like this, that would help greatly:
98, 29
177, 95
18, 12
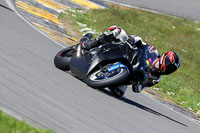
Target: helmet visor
167, 63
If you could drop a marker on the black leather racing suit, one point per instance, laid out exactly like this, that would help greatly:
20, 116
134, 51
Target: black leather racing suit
154, 74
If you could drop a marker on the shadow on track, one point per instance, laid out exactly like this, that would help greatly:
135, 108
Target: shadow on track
6, 7
128, 101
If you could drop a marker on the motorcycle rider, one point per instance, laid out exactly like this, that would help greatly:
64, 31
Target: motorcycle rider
151, 66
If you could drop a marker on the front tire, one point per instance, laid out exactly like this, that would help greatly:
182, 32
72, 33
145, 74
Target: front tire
95, 82
63, 58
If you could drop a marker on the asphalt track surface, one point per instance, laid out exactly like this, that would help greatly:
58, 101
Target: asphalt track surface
34, 90
183, 8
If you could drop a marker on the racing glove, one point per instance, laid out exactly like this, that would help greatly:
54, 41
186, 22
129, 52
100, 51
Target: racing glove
86, 42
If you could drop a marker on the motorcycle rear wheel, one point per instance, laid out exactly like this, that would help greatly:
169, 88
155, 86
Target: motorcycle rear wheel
115, 80
62, 58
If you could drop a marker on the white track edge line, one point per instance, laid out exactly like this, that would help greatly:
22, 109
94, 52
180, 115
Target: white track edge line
188, 118
10, 4
131, 6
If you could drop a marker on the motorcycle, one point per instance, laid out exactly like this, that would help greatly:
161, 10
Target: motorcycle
111, 65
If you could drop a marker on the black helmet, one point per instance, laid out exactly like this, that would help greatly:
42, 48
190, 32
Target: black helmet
169, 62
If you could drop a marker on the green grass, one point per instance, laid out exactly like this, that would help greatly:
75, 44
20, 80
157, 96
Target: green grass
9, 124
165, 33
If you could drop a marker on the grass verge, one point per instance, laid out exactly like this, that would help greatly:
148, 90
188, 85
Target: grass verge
162, 31
9, 124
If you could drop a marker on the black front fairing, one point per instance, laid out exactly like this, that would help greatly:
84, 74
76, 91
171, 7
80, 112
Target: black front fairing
79, 65
83, 65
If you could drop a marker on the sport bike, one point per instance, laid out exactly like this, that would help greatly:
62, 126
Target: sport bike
111, 65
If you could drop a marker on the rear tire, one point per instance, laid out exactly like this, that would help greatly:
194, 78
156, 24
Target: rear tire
111, 81
63, 58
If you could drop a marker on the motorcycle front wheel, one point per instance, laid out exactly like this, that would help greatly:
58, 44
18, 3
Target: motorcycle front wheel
62, 58
98, 79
